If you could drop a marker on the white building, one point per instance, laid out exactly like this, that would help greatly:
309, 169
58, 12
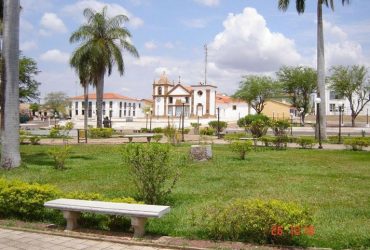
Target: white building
232, 109
115, 106
168, 97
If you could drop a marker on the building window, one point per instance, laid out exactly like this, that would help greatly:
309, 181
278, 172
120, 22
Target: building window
170, 100
104, 112
120, 105
159, 90
134, 105
83, 112
124, 113
129, 112
200, 93
133, 113
110, 104
139, 105
187, 99
90, 110
129, 104
76, 111
120, 113
125, 105
110, 113
335, 96
234, 107
332, 107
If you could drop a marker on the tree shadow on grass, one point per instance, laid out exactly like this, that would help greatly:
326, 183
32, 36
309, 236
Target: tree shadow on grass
40, 159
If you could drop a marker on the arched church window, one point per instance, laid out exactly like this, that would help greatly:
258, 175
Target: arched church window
200, 93
159, 90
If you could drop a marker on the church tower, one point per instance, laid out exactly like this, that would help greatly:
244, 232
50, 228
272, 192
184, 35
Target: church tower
160, 90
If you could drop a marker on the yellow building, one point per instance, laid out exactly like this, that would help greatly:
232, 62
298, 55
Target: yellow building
278, 110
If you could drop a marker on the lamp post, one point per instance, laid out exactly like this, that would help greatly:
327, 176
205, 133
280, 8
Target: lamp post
151, 113
340, 105
367, 118
55, 119
218, 122
291, 123
318, 101
183, 118
110, 117
146, 121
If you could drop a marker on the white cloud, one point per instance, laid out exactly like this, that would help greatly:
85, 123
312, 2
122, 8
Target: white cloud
247, 44
198, 23
344, 53
51, 23
169, 45
55, 55
77, 9
208, 2
28, 45
150, 45
334, 32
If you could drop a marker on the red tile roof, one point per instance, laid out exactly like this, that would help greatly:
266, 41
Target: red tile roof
92, 96
220, 98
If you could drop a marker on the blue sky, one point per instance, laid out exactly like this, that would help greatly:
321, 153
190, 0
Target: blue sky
243, 37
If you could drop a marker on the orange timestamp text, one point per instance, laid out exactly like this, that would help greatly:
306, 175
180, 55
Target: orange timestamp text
278, 230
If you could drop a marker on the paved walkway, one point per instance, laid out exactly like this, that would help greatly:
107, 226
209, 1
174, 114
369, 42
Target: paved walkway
16, 240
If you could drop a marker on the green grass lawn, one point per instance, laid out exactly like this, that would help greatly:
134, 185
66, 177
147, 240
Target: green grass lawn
334, 184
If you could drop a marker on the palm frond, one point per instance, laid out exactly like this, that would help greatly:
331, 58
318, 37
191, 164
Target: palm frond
283, 5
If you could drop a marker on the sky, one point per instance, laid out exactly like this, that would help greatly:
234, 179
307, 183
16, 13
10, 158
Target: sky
243, 37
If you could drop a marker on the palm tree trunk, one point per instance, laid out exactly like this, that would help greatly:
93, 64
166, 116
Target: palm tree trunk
10, 156
321, 69
86, 97
99, 100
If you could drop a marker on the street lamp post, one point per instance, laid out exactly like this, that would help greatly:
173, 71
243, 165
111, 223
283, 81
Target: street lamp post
110, 117
367, 118
55, 119
291, 124
218, 122
340, 122
318, 101
151, 113
183, 118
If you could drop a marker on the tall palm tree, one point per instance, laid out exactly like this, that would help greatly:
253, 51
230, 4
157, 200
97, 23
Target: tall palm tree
84, 69
10, 156
102, 39
300, 6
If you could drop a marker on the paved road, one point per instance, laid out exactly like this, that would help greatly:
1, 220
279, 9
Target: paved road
16, 240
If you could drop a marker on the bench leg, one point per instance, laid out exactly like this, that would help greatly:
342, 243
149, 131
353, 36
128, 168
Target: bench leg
148, 139
130, 139
138, 223
71, 218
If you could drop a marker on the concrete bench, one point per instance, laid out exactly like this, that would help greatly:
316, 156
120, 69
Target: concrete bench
131, 137
249, 139
72, 209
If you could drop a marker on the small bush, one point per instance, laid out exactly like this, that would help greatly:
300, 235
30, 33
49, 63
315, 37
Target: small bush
195, 124
306, 142
157, 137
257, 124
234, 136
186, 131
35, 140
268, 141
152, 170
214, 125
144, 130
207, 131
280, 141
100, 132
241, 147
157, 130
55, 132
172, 135
25, 201
280, 127
357, 143
253, 220
60, 155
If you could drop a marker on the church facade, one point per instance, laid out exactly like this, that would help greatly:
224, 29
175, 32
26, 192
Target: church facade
169, 99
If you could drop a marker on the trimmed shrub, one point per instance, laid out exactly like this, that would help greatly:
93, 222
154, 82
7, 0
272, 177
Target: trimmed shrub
157, 137
280, 141
35, 140
241, 147
60, 155
54, 132
257, 124
247, 120
268, 141
207, 131
280, 127
153, 172
100, 132
25, 201
186, 130
253, 220
24, 118
172, 135
357, 143
234, 136
157, 130
144, 130
306, 142
214, 125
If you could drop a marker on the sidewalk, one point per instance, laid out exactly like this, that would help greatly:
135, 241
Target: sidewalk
16, 240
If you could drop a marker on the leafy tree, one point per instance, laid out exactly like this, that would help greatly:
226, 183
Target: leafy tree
28, 86
298, 83
10, 155
256, 90
56, 101
353, 84
300, 6
102, 39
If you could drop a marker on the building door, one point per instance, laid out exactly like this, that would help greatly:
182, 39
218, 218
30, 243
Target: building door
199, 110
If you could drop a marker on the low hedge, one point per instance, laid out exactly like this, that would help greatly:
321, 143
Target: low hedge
100, 132
207, 131
306, 142
253, 221
25, 201
357, 143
